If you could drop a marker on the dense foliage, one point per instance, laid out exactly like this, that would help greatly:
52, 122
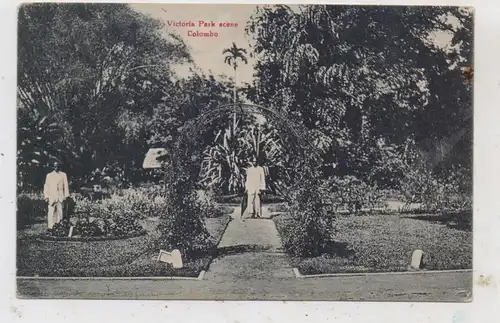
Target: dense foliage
225, 161
354, 75
384, 102
118, 215
360, 101
310, 228
182, 225
97, 89
30, 208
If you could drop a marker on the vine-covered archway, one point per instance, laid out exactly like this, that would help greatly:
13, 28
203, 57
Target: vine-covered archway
300, 146
291, 127
182, 223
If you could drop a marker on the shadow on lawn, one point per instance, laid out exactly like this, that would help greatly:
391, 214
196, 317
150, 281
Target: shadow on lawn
232, 250
458, 220
337, 249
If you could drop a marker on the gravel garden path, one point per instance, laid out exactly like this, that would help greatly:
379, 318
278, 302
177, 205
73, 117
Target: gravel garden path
250, 249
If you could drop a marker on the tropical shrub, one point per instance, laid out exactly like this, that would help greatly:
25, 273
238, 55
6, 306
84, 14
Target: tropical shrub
38, 142
87, 228
137, 203
421, 185
182, 224
118, 215
146, 202
207, 200
310, 227
211, 210
387, 165
350, 193
223, 163
227, 158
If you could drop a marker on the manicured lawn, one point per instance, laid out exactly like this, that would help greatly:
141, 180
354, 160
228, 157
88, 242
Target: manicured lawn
378, 243
217, 226
225, 209
127, 257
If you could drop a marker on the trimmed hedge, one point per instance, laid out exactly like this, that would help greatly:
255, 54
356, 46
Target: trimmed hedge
30, 208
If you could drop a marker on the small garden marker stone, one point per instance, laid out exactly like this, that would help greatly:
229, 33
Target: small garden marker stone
416, 259
165, 257
176, 259
173, 258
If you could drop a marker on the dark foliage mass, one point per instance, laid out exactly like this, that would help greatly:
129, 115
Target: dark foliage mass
370, 82
389, 109
96, 90
382, 107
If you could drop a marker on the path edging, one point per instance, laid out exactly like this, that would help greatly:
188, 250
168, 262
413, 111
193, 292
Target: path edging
299, 275
200, 277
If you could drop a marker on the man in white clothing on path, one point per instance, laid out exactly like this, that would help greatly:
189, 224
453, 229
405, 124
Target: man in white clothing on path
255, 183
55, 191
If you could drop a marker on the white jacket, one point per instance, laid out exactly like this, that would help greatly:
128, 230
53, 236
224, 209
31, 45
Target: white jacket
56, 187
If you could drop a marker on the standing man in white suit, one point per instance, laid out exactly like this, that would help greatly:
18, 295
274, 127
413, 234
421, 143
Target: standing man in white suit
55, 191
255, 184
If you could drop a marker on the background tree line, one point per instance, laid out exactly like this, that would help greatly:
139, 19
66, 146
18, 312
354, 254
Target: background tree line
381, 100
376, 91
97, 88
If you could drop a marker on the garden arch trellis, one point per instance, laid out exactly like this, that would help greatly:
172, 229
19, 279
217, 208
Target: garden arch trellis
194, 128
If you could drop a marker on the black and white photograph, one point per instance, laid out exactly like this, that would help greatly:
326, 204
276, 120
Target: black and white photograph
244, 152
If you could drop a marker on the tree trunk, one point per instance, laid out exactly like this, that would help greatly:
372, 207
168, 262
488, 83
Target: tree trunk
234, 102
258, 143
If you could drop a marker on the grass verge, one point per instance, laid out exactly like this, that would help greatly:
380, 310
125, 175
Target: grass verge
133, 257
385, 242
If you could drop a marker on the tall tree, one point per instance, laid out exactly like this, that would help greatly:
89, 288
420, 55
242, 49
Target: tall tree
353, 74
185, 100
93, 69
233, 55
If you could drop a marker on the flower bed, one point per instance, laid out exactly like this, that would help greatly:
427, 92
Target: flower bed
119, 236
109, 256
97, 229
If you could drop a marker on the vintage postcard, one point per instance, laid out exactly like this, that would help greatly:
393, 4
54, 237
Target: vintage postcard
244, 152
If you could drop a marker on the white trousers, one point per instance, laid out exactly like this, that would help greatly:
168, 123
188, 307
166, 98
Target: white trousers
55, 214
253, 205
